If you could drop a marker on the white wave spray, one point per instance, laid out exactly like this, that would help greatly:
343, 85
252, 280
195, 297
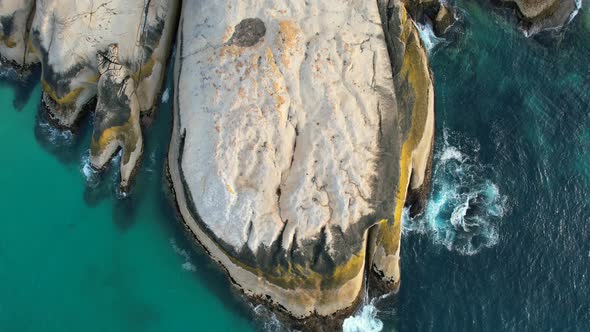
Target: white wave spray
429, 39
465, 208
576, 11
364, 321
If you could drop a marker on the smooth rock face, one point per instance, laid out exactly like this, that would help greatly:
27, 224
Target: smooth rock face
287, 142
69, 34
15, 17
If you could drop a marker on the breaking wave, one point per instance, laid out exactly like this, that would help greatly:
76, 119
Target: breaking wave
575, 12
465, 209
90, 174
166, 95
427, 35
268, 320
364, 321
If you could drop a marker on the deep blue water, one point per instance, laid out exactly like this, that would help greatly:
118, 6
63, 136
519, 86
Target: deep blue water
504, 243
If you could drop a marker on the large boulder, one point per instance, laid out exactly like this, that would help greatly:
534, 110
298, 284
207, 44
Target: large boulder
71, 39
540, 15
298, 129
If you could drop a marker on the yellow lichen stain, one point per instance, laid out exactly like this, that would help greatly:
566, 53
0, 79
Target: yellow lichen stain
233, 51
416, 73
274, 73
125, 134
8, 41
229, 188
289, 33
66, 101
228, 32
144, 71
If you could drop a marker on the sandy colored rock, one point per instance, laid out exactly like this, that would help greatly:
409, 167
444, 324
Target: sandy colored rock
287, 143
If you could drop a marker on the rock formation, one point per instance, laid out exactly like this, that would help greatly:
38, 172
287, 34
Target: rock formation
116, 50
539, 15
15, 21
298, 130
301, 128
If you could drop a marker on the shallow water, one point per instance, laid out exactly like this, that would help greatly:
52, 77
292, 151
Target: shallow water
503, 243
76, 255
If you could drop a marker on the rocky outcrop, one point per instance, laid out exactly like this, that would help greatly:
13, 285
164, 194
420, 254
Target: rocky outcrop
115, 51
539, 15
301, 129
116, 121
15, 20
298, 130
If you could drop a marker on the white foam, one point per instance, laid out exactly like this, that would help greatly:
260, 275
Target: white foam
450, 153
429, 39
576, 11
465, 208
364, 321
269, 320
166, 95
89, 173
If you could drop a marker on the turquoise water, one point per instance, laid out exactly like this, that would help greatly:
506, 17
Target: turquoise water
78, 258
504, 243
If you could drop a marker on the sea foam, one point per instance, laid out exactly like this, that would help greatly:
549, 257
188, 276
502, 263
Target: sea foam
465, 209
166, 95
429, 39
364, 321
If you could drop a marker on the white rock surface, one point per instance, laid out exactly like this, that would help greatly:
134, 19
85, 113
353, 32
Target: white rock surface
69, 33
284, 131
13, 46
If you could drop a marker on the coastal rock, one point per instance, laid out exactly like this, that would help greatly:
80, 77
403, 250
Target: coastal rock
539, 15
444, 20
114, 50
298, 129
116, 120
15, 20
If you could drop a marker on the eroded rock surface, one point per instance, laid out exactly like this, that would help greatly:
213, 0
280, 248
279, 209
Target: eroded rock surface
114, 50
15, 20
295, 133
539, 15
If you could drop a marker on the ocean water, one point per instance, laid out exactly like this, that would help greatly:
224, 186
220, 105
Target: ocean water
504, 242
76, 255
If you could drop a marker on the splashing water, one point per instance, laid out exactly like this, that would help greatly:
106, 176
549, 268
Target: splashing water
364, 321
427, 35
465, 208
166, 96
268, 319
90, 174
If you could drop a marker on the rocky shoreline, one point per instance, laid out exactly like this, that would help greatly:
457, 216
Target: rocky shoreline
300, 132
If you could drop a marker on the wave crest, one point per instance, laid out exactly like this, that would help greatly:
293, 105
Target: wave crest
465, 209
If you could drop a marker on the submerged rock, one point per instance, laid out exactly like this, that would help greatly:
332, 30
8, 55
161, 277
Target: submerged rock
298, 130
